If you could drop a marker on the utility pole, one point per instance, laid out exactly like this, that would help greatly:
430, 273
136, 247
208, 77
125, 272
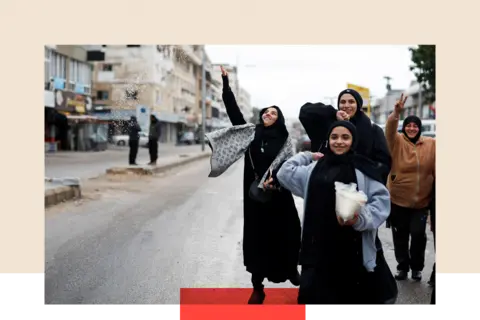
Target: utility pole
204, 97
389, 87
420, 108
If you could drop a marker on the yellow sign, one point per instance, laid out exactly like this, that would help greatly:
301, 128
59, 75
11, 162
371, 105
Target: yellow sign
364, 93
80, 109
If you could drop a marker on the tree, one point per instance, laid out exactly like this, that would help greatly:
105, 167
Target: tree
423, 59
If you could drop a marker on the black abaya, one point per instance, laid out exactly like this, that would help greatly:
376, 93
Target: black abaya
271, 231
332, 255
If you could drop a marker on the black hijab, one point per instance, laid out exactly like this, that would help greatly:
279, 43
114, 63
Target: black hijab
361, 122
268, 141
418, 122
344, 162
273, 136
333, 249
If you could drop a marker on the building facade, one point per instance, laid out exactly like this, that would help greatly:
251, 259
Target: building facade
129, 79
415, 104
381, 108
67, 99
245, 104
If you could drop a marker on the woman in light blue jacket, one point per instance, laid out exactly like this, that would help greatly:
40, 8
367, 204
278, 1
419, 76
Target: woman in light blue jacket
339, 259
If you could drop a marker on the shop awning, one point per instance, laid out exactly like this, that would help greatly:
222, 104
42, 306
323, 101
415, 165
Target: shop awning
115, 115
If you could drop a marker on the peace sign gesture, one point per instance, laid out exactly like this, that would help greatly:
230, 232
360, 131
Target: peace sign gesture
400, 104
224, 73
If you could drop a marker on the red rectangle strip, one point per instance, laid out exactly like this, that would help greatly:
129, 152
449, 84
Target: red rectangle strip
238, 296
239, 312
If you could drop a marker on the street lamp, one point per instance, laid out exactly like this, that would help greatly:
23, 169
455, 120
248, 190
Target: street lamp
204, 98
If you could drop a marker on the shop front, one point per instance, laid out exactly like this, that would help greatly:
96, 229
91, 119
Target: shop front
83, 132
51, 122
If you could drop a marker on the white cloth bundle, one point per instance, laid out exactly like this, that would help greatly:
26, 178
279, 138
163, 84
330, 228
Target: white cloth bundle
348, 200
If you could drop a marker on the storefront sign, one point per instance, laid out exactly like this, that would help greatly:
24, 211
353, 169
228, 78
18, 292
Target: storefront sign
143, 117
71, 102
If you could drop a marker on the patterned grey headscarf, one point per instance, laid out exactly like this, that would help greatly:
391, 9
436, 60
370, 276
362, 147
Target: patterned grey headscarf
230, 144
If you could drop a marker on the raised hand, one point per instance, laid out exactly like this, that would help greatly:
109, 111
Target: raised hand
400, 105
224, 73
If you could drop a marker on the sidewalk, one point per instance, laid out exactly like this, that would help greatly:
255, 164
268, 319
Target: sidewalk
64, 171
86, 165
163, 164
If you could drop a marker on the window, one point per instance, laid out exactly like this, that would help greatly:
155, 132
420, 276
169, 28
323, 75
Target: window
102, 95
71, 73
47, 65
56, 64
63, 67
107, 67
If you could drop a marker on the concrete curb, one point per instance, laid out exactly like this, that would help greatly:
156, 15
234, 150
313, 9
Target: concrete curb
151, 170
61, 194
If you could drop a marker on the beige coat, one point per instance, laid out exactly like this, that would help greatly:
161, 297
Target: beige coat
413, 168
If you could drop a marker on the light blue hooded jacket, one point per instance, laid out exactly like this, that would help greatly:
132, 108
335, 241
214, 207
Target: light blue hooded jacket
294, 175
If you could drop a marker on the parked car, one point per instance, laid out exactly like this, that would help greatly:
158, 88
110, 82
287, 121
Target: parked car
303, 144
187, 138
122, 140
429, 134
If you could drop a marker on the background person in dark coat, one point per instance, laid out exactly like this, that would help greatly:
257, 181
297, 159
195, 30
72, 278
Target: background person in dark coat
271, 231
317, 118
133, 141
153, 137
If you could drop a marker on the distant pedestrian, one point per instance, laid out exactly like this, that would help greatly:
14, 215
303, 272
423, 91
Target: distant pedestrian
410, 183
153, 137
340, 262
133, 141
271, 228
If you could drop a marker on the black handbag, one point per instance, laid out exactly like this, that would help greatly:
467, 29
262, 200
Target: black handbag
256, 193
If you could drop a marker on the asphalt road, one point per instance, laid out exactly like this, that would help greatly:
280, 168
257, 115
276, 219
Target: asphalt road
138, 240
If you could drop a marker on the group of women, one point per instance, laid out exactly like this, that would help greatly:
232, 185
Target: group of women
341, 262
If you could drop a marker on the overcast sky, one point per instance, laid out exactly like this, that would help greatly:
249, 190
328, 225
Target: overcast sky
290, 75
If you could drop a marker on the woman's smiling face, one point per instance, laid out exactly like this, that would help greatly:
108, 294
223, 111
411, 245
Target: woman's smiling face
348, 104
269, 116
340, 140
412, 130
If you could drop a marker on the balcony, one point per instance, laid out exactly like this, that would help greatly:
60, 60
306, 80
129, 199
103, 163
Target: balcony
196, 59
105, 76
188, 96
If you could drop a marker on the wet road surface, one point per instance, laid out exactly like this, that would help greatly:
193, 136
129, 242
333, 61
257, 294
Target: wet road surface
138, 240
